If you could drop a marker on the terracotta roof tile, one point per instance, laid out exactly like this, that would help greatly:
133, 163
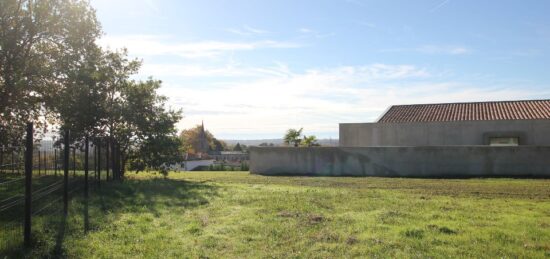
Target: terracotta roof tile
506, 110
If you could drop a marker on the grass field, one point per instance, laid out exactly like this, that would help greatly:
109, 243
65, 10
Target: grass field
238, 215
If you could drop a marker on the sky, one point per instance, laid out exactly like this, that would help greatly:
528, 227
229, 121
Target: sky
253, 69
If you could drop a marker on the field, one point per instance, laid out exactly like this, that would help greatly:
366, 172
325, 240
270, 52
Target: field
238, 215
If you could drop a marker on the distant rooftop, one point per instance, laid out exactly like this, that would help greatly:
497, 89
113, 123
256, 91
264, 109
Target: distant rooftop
473, 111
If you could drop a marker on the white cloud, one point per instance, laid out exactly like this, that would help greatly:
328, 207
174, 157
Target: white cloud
310, 33
247, 31
198, 70
439, 5
434, 49
151, 45
357, 73
319, 99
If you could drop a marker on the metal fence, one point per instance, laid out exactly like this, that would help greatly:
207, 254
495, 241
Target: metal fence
37, 182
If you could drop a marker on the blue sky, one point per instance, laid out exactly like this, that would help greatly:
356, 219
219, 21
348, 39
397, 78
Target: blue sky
252, 69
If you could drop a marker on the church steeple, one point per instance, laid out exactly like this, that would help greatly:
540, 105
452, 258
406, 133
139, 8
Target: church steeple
203, 141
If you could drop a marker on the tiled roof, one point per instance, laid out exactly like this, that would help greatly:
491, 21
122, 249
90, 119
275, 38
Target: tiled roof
506, 110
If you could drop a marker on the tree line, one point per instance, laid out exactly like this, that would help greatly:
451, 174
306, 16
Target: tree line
55, 75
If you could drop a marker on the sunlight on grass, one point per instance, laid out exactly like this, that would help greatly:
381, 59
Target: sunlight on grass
235, 214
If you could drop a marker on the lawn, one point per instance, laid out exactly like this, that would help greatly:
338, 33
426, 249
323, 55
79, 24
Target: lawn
238, 215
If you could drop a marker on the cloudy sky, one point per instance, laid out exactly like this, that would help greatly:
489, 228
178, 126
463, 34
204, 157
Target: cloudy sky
252, 69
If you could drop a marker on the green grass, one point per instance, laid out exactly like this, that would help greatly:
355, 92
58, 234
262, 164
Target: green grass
238, 215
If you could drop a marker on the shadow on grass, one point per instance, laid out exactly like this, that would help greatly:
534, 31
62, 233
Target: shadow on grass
150, 195
105, 205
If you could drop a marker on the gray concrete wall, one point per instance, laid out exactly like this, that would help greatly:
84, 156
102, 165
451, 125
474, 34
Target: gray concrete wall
427, 161
530, 132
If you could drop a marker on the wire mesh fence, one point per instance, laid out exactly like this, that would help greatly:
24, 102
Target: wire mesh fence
55, 173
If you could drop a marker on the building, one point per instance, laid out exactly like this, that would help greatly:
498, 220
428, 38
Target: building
203, 146
481, 139
235, 156
454, 124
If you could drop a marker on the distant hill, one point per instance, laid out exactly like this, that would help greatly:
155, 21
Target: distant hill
276, 142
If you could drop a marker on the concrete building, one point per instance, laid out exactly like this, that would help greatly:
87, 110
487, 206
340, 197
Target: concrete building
454, 124
484, 139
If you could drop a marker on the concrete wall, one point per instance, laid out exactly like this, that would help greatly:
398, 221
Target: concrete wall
530, 132
455, 161
192, 164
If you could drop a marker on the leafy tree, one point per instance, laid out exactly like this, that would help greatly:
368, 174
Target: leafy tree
40, 42
218, 145
237, 147
147, 130
292, 136
82, 105
310, 141
190, 140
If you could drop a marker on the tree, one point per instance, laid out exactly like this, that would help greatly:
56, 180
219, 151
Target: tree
101, 100
292, 136
52, 72
147, 130
40, 42
218, 145
310, 141
237, 147
190, 140
82, 105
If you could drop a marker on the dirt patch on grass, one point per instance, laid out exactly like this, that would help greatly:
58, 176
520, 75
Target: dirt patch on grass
352, 240
288, 214
442, 229
310, 218
315, 218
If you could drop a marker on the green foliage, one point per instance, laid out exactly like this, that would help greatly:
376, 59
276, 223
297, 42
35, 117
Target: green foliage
137, 165
292, 137
218, 145
41, 45
51, 70
244, 166
237, 147
310, 141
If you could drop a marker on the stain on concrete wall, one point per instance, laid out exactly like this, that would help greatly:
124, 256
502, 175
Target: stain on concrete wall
426, 161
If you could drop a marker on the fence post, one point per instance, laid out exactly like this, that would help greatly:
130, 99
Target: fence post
74, 161
39, 162
18, 164
116, 165
66, 174
86, 148
55, 160
28, 185
98, 162
106, 159
12, 160
95, 158
2, 159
